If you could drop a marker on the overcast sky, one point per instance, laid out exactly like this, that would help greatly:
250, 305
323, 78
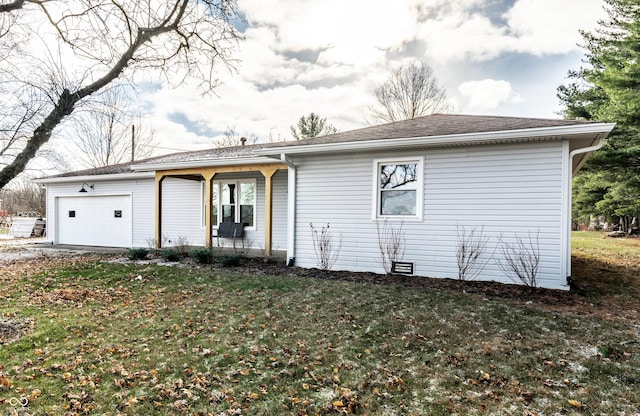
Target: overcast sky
499, 57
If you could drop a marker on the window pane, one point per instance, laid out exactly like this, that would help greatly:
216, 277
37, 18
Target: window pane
228, 213
247, 198
214, 205
228, 202
398, 203
228, 193
246, 215
247, 192
403, 176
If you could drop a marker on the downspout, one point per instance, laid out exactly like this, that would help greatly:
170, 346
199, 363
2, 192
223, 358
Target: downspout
291, 209
599, 143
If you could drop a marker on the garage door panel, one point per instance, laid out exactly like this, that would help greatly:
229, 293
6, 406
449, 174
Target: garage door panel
95, 220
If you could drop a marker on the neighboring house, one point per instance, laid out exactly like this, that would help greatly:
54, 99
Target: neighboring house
431, 177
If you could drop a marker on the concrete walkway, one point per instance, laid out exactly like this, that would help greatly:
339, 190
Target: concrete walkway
12, 249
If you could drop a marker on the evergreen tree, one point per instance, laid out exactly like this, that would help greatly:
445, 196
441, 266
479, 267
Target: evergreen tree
608, 89
312, 126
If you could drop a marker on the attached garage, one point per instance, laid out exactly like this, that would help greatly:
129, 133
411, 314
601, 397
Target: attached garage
94, 220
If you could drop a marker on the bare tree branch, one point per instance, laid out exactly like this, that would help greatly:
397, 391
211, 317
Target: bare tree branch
109, 131
11, 6
93, 43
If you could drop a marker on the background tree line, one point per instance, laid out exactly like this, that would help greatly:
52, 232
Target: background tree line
607, 89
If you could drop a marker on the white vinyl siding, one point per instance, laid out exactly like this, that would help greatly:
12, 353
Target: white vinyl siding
510, 190
279, 210
141, 191
182, 212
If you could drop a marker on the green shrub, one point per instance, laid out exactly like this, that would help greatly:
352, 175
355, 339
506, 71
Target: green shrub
230, 261
202, 255
138, 253
170, 254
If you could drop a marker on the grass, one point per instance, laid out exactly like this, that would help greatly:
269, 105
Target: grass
143, 339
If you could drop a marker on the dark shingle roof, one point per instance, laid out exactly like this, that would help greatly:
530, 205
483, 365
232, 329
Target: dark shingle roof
427, 126
436, 125
207, 154
106, 170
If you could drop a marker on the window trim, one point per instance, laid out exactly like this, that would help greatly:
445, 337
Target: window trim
237, 182
375, 208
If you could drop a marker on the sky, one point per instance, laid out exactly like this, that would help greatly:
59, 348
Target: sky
494, 57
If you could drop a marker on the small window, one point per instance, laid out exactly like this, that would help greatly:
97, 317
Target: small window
398, 189
117, 214
72, 214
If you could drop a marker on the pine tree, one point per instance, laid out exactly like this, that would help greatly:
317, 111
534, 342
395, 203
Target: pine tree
608, 89
312, 126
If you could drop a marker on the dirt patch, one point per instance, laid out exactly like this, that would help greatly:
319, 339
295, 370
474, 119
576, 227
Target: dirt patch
12, 328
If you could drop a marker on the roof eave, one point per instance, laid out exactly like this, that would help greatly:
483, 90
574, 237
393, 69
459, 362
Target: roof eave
203, 163
541, 133
95, 178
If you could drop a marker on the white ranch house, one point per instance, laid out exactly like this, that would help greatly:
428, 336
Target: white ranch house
509, 177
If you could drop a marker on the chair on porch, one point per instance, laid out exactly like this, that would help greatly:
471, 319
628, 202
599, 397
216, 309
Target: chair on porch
231, 230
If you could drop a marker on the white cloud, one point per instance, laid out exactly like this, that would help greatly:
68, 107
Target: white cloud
326, 57
357, 32
486, 95
461, 31
465, 37
552, 26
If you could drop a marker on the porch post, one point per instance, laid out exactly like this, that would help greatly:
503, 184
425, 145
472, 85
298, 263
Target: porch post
208, 193
158, 227
268, 172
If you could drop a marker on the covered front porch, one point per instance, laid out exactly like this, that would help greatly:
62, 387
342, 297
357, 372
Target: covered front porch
252, 194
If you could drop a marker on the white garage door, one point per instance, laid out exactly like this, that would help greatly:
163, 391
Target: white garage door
94, 220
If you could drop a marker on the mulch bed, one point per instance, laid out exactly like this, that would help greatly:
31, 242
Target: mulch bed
488, 289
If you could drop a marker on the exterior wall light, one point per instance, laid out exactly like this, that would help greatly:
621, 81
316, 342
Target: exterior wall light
83, 189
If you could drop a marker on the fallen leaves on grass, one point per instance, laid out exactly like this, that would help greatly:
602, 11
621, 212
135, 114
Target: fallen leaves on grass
197, 341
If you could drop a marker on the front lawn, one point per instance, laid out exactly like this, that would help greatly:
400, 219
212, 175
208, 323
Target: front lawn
110, 338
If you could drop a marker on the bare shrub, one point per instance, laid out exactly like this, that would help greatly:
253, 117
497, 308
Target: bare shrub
326, 251
182, 246
521, 259
152, 243
390, 243
472, 246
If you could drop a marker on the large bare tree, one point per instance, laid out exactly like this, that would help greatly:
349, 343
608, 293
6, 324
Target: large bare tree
55, 54
109, 131
411, 91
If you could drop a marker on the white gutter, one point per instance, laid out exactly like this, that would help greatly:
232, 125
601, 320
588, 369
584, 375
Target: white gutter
96, 178
291, 210
454, 139
203, 163
566, 217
